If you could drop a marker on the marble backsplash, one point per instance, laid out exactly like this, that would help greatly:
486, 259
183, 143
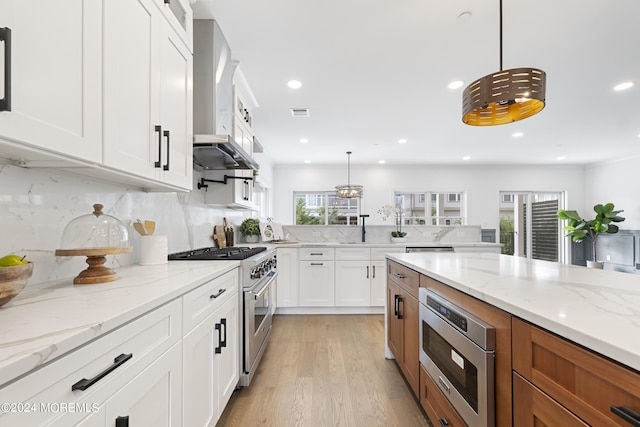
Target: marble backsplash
382, 233
37, 204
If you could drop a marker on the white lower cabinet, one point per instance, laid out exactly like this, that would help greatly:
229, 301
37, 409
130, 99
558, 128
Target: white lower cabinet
316, 277
125, 371
177, 365
287, 277
353, 283
211, 358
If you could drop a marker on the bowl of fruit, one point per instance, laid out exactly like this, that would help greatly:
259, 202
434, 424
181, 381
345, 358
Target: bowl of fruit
15, 272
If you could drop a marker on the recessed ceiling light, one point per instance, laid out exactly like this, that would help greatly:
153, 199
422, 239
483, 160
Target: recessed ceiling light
382, 162
623, 86
466, 158
561, 158
307, 161
304, 140
456, 84
294, 84
517, 134
402, 141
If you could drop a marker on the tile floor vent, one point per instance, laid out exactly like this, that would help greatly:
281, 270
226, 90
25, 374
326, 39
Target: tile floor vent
300, 112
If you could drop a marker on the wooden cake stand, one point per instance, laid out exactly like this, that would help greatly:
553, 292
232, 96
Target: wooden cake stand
96, 257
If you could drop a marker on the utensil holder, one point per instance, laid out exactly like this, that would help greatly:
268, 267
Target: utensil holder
153, 249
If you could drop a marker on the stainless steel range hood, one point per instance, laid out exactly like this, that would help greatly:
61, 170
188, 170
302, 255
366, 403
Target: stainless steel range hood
220, 152
213, 147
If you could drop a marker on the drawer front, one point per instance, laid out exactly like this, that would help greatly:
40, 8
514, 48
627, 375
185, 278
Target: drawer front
352, 254
145, 339
312, 254
584, 382
434, 403
408, 279
533, 408
205, 299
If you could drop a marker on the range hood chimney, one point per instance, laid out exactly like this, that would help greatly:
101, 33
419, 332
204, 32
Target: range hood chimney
214, 148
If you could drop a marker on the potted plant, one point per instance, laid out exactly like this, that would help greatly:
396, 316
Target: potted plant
579, 229
250, 229
395, 211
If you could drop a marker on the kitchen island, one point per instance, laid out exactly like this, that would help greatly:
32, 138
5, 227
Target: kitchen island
565, 350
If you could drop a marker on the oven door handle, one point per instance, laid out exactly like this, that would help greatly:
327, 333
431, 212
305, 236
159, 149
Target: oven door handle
264, 288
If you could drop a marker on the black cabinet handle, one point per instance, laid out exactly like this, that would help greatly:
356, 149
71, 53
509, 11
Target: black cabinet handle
627, 414
399, 312
443, 422
223, 342
316, 263
159, 130
395, 305
5, 36
367, 271
399, 276
374, 271
218, 349
167, 135
167, 1
84, 383
122, 421
317, 253
217, 294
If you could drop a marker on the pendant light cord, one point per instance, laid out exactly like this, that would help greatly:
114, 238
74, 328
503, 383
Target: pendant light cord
500, 35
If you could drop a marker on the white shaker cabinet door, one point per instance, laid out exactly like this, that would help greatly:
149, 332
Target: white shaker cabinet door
131, 82
147, 94
54, 63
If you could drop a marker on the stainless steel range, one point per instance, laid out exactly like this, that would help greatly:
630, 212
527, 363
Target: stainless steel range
258, 278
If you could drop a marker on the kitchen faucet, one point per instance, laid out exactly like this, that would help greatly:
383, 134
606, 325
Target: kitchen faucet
363, 229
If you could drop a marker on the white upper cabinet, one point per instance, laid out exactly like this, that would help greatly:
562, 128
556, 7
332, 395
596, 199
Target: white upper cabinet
148, 94
50, 69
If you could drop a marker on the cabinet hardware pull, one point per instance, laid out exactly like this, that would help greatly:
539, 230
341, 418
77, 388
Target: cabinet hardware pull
627, 414
444, 385
217, 294
395, 305
399, 312
167, 134
316, 263
158, 129
84, 383
317, 253
367, 271
443, 422
399, 276
223, 343
374, 271
218, 349
5, 36
122, 421
167, 1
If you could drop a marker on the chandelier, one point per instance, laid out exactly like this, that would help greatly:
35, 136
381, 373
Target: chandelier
349, 191
505, 96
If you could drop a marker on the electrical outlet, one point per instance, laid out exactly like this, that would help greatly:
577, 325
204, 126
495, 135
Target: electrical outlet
608, 257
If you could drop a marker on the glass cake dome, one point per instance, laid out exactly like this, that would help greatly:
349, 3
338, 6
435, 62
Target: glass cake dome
95, 230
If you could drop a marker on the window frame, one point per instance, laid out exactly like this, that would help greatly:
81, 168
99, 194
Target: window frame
351, 218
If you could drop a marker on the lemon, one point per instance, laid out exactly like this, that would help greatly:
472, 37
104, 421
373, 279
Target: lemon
10, 260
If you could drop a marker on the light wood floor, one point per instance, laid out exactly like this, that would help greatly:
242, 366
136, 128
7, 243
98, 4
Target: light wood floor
325, 370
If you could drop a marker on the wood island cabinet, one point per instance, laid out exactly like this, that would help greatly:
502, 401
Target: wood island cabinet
403, 321
560, 373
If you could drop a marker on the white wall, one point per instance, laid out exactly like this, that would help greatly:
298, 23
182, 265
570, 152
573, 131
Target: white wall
480, 183
614, 182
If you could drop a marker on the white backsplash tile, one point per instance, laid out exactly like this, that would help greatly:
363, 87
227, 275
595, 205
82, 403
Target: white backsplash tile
382, 233
37, 204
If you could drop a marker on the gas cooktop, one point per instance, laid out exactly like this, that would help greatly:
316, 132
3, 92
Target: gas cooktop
212, 254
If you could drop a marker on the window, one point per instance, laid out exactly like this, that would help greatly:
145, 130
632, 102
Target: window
325, 208
439, 209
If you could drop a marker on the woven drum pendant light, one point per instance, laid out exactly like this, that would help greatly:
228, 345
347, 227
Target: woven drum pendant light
505, 96
349, 191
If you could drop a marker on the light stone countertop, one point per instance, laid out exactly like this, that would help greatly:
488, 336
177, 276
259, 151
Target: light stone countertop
597, 309
381, 245
49, 319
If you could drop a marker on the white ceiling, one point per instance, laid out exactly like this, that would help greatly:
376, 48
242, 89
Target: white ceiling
376, 71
